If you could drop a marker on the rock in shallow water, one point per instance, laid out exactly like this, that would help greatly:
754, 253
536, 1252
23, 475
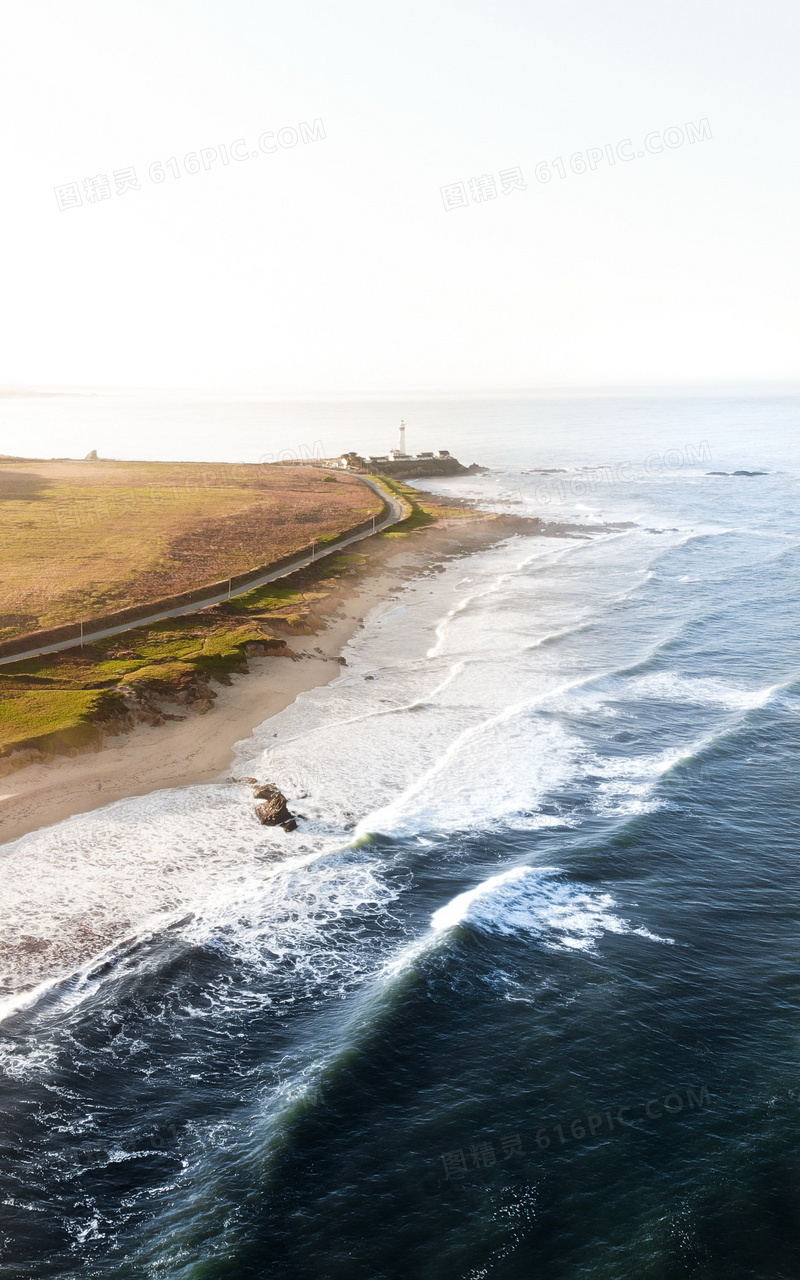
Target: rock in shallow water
273, 811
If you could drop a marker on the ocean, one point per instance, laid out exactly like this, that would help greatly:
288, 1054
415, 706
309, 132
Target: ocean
521, 996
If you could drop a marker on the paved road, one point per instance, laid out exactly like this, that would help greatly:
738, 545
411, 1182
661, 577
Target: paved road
397, 512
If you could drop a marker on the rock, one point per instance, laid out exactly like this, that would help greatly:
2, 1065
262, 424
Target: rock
91, 456
342, 661
291, 825
143, 698
272, 812
296, 624
265, 790
254, 781
268, 649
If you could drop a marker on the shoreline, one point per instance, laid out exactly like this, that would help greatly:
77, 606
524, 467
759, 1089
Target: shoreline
201, 748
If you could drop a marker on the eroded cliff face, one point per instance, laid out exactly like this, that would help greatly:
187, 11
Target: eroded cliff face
155, 696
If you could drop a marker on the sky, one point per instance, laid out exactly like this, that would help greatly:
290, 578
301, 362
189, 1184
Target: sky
344, 249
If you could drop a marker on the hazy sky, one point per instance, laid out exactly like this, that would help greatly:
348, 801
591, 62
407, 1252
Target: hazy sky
332, 265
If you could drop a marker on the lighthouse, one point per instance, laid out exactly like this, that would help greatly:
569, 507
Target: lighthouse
402, 438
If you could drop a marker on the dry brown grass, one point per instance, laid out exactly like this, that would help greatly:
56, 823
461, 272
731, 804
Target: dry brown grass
82, 538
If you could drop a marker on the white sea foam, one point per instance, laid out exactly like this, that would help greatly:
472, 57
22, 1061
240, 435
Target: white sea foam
710, 691
527, 900
491, 772
70, 892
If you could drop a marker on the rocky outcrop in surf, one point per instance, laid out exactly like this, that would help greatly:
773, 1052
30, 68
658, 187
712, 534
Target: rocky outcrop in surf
273, 810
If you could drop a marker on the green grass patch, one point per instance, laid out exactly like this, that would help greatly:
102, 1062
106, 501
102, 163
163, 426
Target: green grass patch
162, 673
225, 650
52, 718
420, 514
337, 565
162, 649
221, 643
65, 670
264, 599
172, 657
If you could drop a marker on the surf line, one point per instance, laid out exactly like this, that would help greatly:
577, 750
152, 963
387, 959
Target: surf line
502, 717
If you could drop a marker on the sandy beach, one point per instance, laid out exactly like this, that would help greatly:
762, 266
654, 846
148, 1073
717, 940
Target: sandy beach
200, 748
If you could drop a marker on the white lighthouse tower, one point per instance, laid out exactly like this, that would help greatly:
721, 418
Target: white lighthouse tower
402, 438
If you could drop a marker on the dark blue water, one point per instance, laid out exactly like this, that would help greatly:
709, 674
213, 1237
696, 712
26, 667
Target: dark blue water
524, 998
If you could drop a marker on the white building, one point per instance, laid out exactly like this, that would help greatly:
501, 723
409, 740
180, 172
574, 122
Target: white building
398, 455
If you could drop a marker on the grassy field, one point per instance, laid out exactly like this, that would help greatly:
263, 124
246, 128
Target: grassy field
66, 701
68, 550
80, 539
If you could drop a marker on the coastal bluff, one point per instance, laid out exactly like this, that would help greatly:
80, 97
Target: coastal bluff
418, 468
402, 468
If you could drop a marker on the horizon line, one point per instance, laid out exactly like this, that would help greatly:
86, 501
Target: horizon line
774, 386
